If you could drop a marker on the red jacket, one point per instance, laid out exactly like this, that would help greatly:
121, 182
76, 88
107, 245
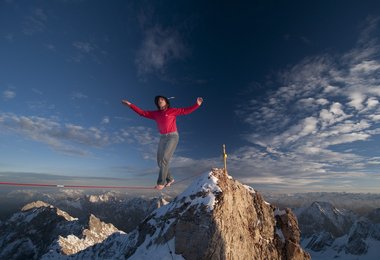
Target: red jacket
165, 119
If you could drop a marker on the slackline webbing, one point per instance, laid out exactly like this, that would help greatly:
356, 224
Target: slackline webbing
87, 186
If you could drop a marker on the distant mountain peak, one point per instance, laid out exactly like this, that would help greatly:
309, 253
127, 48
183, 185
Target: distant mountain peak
35, 204
96, 232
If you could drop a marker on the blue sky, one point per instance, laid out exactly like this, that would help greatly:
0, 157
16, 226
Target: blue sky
291, 88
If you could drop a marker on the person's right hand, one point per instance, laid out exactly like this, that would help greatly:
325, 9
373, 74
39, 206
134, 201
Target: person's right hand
126, 102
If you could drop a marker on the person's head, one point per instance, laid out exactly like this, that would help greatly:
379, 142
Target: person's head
161, 102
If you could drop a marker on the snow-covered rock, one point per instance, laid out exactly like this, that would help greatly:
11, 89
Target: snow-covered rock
28, 234
40, 229
330, 233
324, 216
214, 218
96, 232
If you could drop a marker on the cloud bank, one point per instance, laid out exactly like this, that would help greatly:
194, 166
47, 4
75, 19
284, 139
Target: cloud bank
308, 128
76, 140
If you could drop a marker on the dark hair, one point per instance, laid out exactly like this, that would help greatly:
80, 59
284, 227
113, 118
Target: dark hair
166, 100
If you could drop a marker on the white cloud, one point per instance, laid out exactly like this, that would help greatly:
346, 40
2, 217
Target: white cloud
144, 139
9, 94
366, 67
159, 47
332, 116
347, 138
51, 47
76, 139
66, 138
105, 120
323, 102
375, 118
371, 103
85, 47
309, 126
78, 95
357, 99
87, 50
330, 89
35, 22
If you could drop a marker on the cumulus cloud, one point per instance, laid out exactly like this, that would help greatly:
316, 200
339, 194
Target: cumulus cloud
323, 102
357, 99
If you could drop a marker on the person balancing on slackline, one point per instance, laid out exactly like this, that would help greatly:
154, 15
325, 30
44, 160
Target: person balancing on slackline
165, 117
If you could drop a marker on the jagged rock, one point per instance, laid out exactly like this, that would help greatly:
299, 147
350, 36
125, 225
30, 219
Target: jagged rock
289, 226
324, 216
96, 233
35, 204
320, 241
357, 238
29, 233
42, 231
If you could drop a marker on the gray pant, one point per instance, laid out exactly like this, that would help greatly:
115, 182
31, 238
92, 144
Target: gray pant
166, 148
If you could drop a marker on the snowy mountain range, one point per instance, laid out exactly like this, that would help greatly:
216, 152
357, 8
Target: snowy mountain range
215, 218
330, 233
122, 210
43, 231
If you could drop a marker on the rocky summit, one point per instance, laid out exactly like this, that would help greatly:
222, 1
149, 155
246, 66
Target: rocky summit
216, 217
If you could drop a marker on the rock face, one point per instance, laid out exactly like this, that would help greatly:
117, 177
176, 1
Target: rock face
42, 231
29, 233
215, 218
341, 233
96, 232
324, 214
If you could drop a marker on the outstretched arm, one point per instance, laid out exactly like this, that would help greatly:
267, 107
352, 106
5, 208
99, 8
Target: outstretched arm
188, 110
147, 114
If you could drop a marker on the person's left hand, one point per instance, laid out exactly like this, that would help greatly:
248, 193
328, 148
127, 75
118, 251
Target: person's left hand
199, 101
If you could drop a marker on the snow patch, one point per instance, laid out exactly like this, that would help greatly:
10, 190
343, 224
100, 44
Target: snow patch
164, 251
201, 192
249, 188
